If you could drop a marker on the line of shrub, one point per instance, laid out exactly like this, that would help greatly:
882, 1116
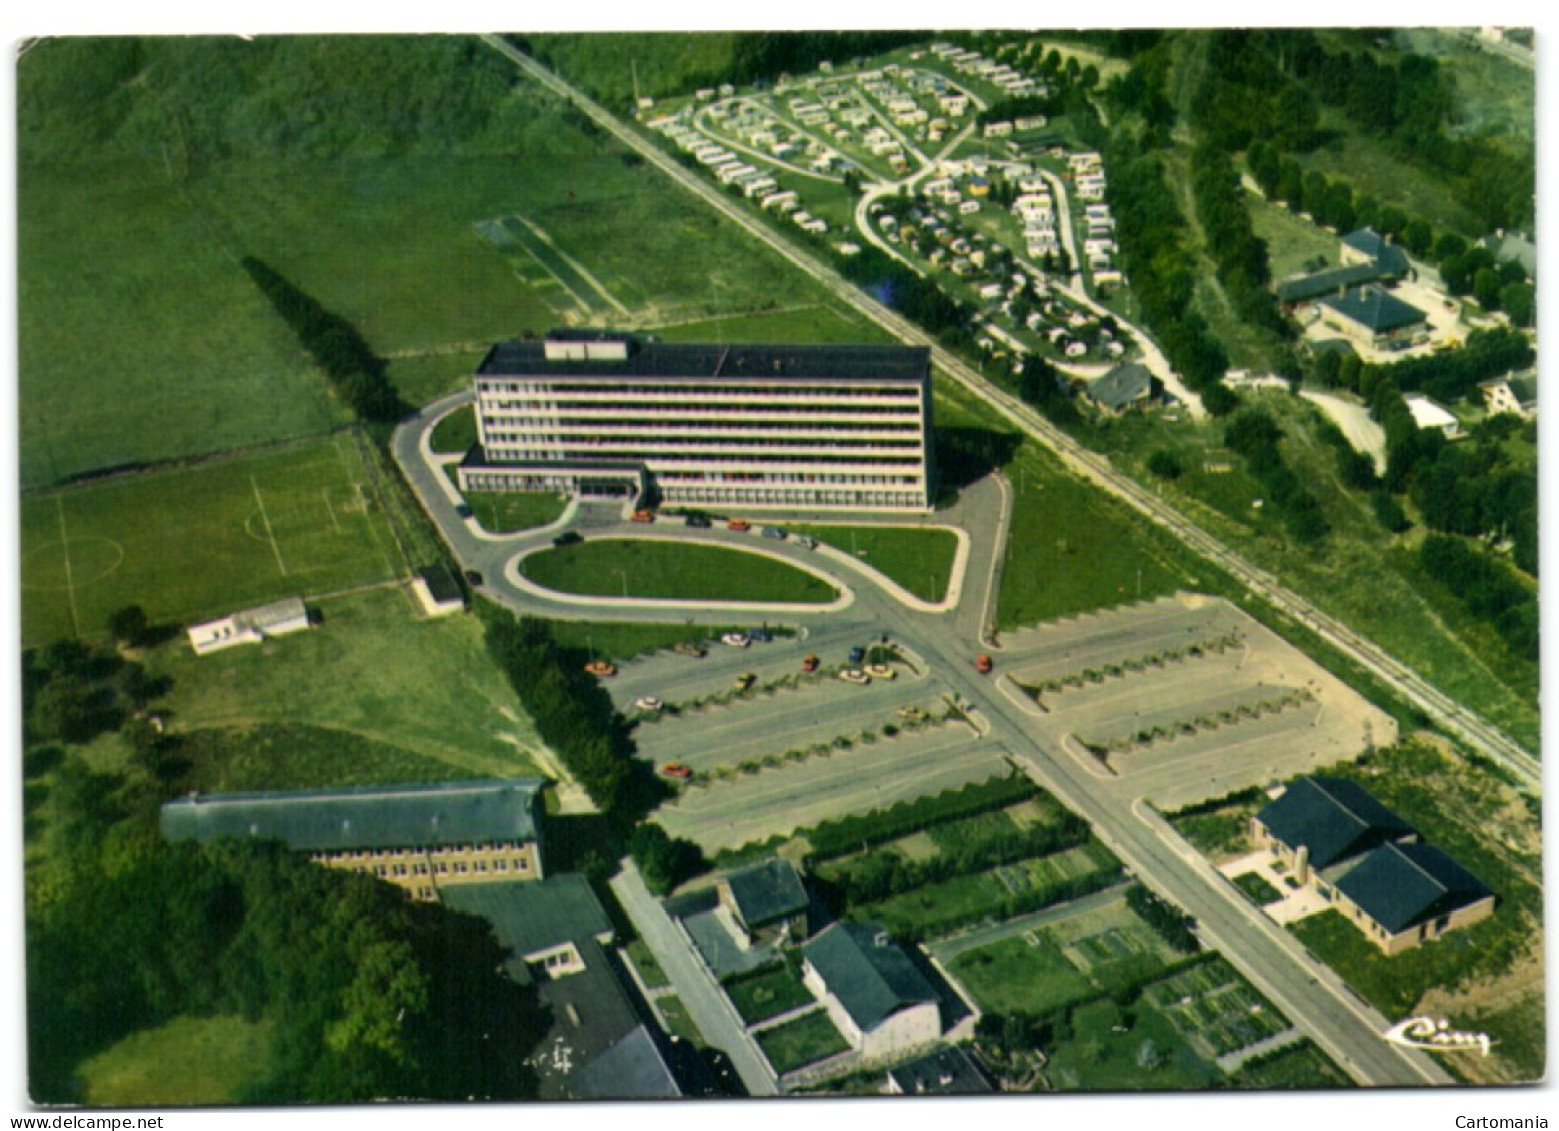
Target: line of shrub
859, 831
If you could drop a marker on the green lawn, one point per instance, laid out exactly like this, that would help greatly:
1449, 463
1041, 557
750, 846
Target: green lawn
644, 961
124, 359
424, 376
371, 694
1107, 1052
810, 323
935, 908
1300, 1065
767, 993
665, 570
505, 512
1073, 549
801, 1042
188, 1061
1293, 245
920, 558
678, 1021
1258, 889
1011, 976
456, 432
199, 541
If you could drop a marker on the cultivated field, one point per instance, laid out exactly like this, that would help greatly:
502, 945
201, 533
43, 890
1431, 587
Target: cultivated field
202, 540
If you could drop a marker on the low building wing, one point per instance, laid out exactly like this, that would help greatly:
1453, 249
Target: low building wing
1333, 819
1402, 886
766, 892
1375, 309
532, 920
950, 1071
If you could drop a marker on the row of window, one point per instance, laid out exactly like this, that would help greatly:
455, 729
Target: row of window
722, 422
442, 867
759, 458
736, 390
645, 447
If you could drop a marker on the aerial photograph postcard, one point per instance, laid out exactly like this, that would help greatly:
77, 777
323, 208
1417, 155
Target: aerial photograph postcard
731, 565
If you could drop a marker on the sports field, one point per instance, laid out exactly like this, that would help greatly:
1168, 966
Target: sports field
202, 540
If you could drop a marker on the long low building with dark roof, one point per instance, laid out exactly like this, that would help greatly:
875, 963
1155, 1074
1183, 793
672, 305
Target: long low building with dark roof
757, 426
1369, 864
420, 837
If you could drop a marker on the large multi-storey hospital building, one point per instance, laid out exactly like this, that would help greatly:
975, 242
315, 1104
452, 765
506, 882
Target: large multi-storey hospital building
601, 413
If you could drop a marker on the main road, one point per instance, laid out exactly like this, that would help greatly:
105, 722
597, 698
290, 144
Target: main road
1481, 735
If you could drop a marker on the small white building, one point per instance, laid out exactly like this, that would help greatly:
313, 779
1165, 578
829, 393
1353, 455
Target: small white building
877, 998
1428, 414
251, 626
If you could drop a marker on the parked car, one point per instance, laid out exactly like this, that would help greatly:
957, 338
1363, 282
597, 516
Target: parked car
474, 578
643, 516
855, 675
809, 663
805, 540
881, 671
568, 538
745, 680
983, 664
736, 639
648, 703
857, 654
740, 525
761, 636
676, 770
911, 714
463, 511
688, 648
773, 532
600, 668
698, 521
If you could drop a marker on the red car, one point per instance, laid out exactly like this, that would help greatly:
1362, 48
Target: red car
983, 664
809, 664
643, 516
740, 525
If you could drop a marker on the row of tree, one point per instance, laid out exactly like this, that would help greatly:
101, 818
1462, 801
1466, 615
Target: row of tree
1241, 258
1257, 437
1487, 587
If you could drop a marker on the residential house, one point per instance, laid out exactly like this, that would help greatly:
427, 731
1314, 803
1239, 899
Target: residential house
764, 903
949, 1071
1120, 388
1373, 315
1428, 414
875, 995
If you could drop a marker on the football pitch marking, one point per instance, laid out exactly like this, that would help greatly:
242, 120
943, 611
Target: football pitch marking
70, 586
330, 510
269, 533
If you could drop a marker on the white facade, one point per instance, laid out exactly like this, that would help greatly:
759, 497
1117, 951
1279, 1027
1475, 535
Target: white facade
251, 626
707, 425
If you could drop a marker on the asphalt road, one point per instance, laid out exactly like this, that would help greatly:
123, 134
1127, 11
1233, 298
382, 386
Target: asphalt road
1467, 725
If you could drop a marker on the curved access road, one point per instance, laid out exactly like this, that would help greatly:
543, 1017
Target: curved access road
1465, 724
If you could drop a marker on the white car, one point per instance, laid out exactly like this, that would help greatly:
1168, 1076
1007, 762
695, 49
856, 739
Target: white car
855, 675
736, 639
881, 671
648, 703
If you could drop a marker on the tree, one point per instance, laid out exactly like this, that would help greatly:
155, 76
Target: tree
1165, 464
129, 625
1417, 236
1519, 300
663, 861
1486, 288
1448, 246
1220, 400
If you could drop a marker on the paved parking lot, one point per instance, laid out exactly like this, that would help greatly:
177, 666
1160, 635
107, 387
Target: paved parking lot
786, 718
728, 814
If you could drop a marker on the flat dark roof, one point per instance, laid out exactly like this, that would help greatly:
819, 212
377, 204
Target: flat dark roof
704, 362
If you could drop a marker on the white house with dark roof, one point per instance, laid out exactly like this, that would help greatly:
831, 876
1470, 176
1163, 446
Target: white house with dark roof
875, 995
765, 902
251, 626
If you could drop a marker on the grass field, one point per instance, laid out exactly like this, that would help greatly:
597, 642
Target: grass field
1293, 245
801, 1042
678, 1020
124, 360
808, 323
1258, 889
767, 993
649, 969
927, 911
1106, 1053
1013, 976
616, 567
404, 697
1300, 1065
188, 1061
505, 512
918, 558
202, 540
455, 433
